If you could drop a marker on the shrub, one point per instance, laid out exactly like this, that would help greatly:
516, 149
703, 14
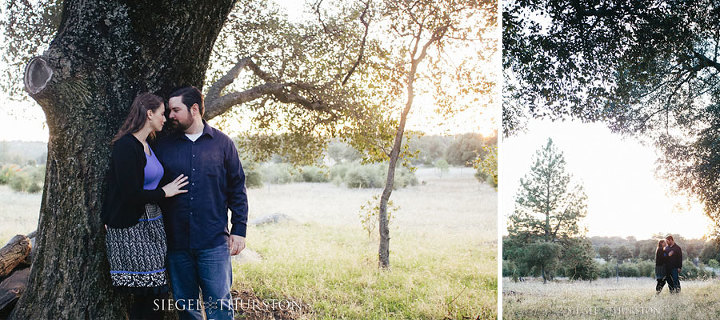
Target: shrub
442, 165
629, 270
337, 181
370, 215
340, 170
404, 178
713, 264
646, 268
508, 268
313, 174
28, 179
19, 181
253, 178
690, 271
375, 175
363, 177
7, 172
279, 173
34, 187
606, 270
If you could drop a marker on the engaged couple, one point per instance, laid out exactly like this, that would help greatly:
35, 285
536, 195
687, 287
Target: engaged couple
668, 264
201, 177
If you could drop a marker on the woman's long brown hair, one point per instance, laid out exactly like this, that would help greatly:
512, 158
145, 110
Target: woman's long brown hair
660, 246
138, 114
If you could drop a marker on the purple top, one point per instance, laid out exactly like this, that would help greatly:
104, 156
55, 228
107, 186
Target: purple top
153, 171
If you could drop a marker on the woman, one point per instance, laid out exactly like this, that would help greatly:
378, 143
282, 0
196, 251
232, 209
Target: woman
135, 237
660, 257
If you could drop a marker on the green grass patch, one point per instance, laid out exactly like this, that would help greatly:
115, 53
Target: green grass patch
334, 270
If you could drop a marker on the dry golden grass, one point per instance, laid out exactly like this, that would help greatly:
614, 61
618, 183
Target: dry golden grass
454, 203
630, 298
19, 213
442, 250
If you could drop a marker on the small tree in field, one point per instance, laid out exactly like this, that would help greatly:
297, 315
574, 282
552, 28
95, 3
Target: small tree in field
431, 32
442, 166
548, 208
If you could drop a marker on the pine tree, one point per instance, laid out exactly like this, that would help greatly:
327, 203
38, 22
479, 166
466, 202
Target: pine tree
548, 207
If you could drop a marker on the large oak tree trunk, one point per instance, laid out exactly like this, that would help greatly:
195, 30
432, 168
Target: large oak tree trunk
104, 54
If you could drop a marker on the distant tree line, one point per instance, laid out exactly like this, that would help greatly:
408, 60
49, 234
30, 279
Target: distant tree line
635, 249
629, 257
342, 164
22, 165
23, 153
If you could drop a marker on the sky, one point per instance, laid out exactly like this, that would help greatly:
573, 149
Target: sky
25, 121
624, 196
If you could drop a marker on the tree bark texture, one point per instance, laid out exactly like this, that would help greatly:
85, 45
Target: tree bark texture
103, 55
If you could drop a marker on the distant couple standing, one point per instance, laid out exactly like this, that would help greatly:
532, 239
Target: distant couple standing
201, 177
668, 264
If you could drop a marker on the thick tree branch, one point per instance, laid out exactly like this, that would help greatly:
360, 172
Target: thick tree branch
705, 62
214, 91
286, 92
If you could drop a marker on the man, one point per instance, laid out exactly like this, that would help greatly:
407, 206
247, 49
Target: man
673, 265
199, 243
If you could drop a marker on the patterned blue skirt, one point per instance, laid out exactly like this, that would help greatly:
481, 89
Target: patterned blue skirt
137, 254
659, 272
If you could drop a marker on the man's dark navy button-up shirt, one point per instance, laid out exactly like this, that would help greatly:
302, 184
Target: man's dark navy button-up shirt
198, 219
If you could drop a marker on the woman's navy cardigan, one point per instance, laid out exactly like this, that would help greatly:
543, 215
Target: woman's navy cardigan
125, 197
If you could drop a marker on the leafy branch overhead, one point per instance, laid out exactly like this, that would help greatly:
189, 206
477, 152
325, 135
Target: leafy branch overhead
294, 84
297, 84
648, 69
641, 66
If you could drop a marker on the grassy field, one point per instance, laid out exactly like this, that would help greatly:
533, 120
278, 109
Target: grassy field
18, 213
443, 249
630, 298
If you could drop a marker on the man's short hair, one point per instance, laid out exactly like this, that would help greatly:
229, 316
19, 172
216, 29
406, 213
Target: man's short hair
190, 95
669, 238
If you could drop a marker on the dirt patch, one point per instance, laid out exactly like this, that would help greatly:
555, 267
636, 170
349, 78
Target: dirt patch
249, 307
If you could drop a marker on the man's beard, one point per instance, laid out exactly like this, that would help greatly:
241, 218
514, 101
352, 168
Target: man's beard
179, 126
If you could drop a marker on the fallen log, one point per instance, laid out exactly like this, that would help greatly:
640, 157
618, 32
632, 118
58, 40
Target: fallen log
11, 288
13, 253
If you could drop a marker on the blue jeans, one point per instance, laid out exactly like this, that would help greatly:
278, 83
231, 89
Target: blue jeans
208, 270
674, 276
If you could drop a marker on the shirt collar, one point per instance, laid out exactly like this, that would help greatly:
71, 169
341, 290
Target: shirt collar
207, 129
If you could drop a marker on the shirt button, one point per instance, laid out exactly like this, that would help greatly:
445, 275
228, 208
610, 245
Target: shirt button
190, 213
193, 156
191, 198
193, 169
193, 183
